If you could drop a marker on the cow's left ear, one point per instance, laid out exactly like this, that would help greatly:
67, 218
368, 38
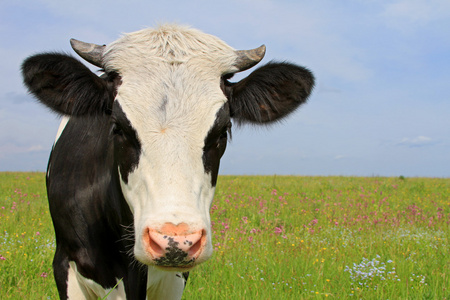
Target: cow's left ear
269, 93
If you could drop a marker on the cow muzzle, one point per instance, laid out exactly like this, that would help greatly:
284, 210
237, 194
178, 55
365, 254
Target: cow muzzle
174, 246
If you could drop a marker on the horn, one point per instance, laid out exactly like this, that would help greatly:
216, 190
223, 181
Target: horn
90, 52
248, 58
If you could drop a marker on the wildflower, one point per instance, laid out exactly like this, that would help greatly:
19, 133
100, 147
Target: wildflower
278, 230
44, 275
2, 258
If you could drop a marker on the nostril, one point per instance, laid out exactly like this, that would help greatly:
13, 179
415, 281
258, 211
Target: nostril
194, 249
154, 247
197, 247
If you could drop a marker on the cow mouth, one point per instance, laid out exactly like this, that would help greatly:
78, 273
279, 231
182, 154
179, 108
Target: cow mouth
175, 268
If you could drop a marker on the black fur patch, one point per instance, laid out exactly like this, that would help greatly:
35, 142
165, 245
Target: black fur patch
216, 142
91, 218
127, 147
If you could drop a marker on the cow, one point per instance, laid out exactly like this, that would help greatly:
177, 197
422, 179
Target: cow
132, 173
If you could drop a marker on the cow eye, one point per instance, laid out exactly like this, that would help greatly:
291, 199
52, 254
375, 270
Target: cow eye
117, 130
225, 133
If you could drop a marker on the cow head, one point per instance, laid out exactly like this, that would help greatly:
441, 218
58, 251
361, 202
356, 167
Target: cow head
170, 103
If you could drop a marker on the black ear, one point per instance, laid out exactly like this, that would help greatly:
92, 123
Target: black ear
269, 93
66, 85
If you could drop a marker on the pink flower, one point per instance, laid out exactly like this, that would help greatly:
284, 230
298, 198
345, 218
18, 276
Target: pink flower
2, 258
225, 226
278, 230
44, 275
38, 233
274, 192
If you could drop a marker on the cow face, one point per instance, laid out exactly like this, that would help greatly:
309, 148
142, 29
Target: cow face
170, 104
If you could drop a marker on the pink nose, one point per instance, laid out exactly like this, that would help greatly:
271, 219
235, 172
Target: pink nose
175, 245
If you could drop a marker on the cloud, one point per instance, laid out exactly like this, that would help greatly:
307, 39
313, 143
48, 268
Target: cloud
339, 157
10, 148
419, 141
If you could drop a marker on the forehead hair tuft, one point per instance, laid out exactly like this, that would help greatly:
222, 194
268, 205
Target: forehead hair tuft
169, 42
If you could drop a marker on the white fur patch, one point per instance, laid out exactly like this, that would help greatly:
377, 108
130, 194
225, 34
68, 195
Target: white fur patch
79, 287
62, 126
162, 285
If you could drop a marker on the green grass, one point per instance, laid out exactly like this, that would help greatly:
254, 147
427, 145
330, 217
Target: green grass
275, 237
27, 240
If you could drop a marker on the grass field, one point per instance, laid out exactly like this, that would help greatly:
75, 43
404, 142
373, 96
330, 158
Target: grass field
275, 238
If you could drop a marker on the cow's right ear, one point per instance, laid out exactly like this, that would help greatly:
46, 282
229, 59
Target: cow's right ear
66, 85
269, 93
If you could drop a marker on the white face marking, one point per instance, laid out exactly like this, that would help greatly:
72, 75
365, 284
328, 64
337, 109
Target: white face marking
169, 183
170, 93
62, 126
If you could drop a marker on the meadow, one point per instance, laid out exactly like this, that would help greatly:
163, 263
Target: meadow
275, 237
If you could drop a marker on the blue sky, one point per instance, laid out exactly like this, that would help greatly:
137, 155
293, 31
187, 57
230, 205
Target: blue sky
381, 105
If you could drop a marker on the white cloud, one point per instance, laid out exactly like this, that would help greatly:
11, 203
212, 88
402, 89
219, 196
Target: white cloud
339, 156
9, 148
418, 141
